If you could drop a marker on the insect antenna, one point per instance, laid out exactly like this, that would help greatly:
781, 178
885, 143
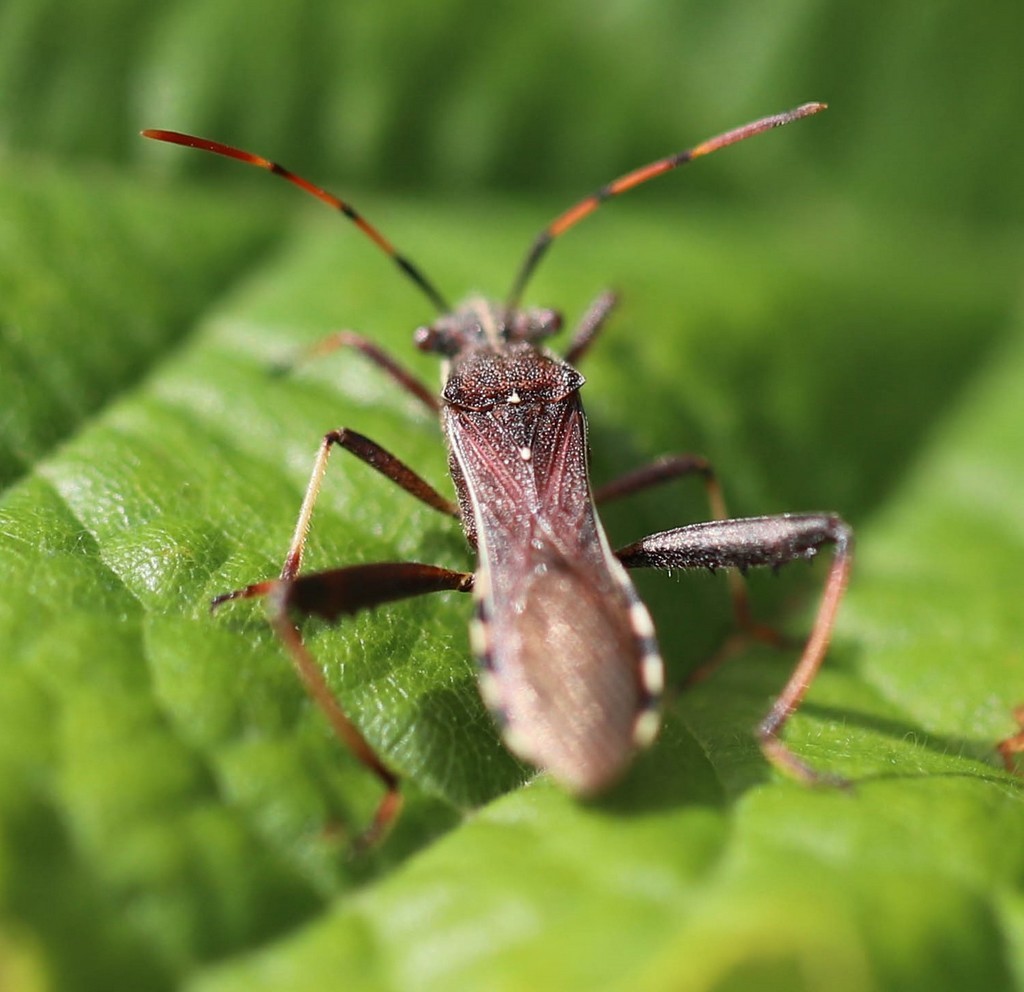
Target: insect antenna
589, 204
205, 144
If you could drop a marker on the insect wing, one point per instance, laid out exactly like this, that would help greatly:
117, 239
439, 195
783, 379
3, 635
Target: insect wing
570, 665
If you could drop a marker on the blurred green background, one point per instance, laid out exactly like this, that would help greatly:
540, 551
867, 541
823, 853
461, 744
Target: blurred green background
832, 312
456, 96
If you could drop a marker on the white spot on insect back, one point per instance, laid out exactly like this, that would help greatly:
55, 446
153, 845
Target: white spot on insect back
514, 398
490, 692
641, 621
518, 743
526, 454
652, 674
478, 640
646, 728
481, 585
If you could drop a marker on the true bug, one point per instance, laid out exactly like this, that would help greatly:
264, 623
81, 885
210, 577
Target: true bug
569, 661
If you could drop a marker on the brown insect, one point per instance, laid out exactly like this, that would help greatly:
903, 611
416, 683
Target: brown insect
569, 661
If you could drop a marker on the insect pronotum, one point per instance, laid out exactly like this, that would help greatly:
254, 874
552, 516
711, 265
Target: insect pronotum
569, 663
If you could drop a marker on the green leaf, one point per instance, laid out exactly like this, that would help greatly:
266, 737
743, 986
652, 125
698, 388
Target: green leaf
163, 772
838, 327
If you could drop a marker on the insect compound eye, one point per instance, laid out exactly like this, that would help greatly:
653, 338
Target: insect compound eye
547, 322
435, 339
532, 325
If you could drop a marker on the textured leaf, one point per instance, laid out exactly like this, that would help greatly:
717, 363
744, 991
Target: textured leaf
173, 810
168, 769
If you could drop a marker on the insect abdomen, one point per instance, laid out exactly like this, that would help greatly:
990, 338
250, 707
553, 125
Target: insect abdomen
573, 681
570, 664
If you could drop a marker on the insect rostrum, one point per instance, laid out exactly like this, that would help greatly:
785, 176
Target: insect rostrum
569, 662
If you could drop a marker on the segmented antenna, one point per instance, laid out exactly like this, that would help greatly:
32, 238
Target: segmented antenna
407, 267
589, 204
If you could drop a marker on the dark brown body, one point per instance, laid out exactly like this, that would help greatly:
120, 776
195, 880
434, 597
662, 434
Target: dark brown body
569, 662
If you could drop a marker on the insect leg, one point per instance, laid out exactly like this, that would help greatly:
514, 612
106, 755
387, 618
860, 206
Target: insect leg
339, 592
331, 594
661, 470
759, 541
670, 467
590, 326
376, 457
349, 339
